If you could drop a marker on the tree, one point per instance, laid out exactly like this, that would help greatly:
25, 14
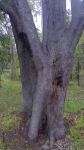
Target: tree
45, 67
78, 61
9, 44
4, 41
3, 59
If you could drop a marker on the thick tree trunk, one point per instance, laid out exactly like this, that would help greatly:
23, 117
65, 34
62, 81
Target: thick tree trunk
26, 40
40, 101
29, 79
27, 70
45, 71
55, 109
51, 90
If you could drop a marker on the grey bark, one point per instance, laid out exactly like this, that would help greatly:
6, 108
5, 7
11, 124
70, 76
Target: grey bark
75, 7
45, 71
27, 70
40, 100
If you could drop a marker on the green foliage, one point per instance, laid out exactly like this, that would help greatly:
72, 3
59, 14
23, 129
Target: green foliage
8, 121
2, 144
75, 98
73, 106
16, 67
80, 47
10, 95
4, 42
79, 59
80, 123
76, 134
3, 60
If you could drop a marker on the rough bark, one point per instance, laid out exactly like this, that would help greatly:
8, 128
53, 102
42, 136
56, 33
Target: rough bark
27, 70
75, 7
55, 114
45, 71
40, 100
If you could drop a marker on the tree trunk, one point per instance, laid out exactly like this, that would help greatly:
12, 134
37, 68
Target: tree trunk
27, 43
78, 72
12, 69
55, 111
28, 72
40, 101
51, 90
45, 69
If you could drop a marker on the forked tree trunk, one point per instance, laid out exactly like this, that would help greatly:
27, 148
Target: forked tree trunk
51, 90
45, 70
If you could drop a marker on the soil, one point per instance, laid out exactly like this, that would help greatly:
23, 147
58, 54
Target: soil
16, 138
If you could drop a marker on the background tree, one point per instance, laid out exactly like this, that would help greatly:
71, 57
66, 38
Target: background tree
3, 56
78, 61
9, 43
45, 67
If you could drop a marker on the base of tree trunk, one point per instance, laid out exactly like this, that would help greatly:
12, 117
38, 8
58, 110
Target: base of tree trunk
57, 133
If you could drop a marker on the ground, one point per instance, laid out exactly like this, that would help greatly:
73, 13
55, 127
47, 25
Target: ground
13, 134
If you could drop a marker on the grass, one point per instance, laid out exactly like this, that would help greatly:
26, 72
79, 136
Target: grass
75, 98
10, 96
8, 121
74, 104
2, 144
76, 133
11, 101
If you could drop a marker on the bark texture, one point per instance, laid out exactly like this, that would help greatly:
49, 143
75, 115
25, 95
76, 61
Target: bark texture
45, 69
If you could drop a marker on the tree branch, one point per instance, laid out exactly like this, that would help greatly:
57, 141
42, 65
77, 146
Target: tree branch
75, 9
77, 24
5, 5
82, 8
21, 15
74, 33
54, 19
28, 72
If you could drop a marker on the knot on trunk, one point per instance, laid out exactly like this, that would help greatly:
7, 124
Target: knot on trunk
59, 80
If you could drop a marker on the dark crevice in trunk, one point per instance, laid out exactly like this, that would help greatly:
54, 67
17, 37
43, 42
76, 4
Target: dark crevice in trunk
26, 45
